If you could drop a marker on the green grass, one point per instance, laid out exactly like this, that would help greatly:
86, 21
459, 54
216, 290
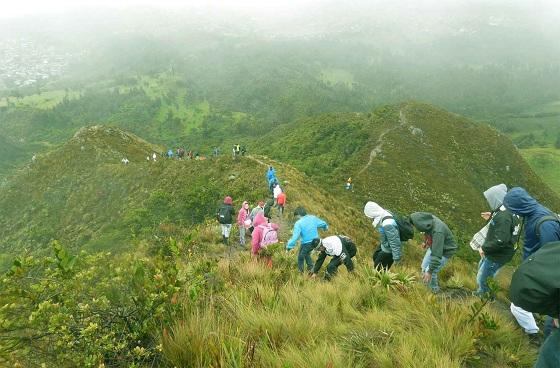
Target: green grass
43, 100
546, 163
333, 76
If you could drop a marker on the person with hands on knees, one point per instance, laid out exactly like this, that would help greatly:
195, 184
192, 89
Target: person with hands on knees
439, 243
341, 248
306, 228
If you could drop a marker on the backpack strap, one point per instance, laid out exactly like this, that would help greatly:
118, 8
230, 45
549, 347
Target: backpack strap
386, 218
553, 217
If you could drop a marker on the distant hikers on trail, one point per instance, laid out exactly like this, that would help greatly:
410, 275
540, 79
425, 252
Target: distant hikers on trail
125, 161
306, 229
349, 184
341, 248
225, 216
439, 243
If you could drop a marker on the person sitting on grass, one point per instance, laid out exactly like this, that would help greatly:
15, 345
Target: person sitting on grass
341, 248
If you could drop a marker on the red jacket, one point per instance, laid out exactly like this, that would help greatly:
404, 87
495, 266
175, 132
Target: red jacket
281, 199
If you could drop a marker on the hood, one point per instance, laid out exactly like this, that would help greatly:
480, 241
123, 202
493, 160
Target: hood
375, 211
519, 202
259, 219
423, 221
228, 200
495, 196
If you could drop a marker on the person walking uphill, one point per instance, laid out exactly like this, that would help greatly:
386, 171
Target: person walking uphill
271, 173
440, 244
259, 237
243, 222
225, 216
306, 228
541, 227
341, 248
390, 248
498, 247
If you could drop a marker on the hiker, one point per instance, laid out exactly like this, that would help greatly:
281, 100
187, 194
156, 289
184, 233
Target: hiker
306, 228
271, 173
498, 247
34, 158
281, 202
225, 218
390, 249
243, 222
154, 156
125, 161
148, 158
257, 209
341, 248
181, 153
243, 150
272, 183
260, 237
216, 151
275, 192
439, 243
170, 153
268, 208
349, 184
541, 227
535, 287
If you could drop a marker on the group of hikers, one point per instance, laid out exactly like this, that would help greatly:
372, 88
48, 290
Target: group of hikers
535, 285
180, 154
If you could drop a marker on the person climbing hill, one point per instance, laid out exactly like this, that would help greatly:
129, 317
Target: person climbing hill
271, 173
281, 201
263, 235
268, 208
341, 248
306, 228
439, 243
542, 226
243, 222
390, 248
225, 216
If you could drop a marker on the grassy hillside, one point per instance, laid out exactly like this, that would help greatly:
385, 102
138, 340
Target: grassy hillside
408, 157
171, 295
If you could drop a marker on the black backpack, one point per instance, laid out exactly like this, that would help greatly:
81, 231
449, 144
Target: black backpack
406, 230
552, 217
224, 214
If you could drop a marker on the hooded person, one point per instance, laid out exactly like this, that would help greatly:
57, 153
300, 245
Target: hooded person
341, 248
306, 228
499, 245
243, 222
225, 216
541, 227
260, 225
271, 173
535, 287
439, 242
389, 250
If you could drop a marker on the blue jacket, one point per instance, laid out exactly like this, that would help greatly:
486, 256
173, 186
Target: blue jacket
270, 174
306, 227
520, 203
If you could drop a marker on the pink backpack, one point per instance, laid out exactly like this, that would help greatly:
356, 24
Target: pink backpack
269, 235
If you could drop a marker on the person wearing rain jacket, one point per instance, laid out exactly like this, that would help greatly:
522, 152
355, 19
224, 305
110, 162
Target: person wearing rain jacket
256, 236
520, 203
439, 242
305, 228
341, 248
498, 247
390, 248
242, 217
271, 173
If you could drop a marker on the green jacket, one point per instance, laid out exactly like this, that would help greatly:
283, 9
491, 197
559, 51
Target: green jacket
499, 243
443, 242
535, 285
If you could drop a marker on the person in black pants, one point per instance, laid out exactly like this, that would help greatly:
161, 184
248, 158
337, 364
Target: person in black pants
341, 248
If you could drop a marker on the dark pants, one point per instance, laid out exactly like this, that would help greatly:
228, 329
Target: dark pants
305, 255
382, 259
348, 252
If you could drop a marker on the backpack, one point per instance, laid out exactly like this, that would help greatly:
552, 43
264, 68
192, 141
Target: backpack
553, 217
406, 230
224, 214
268, 236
